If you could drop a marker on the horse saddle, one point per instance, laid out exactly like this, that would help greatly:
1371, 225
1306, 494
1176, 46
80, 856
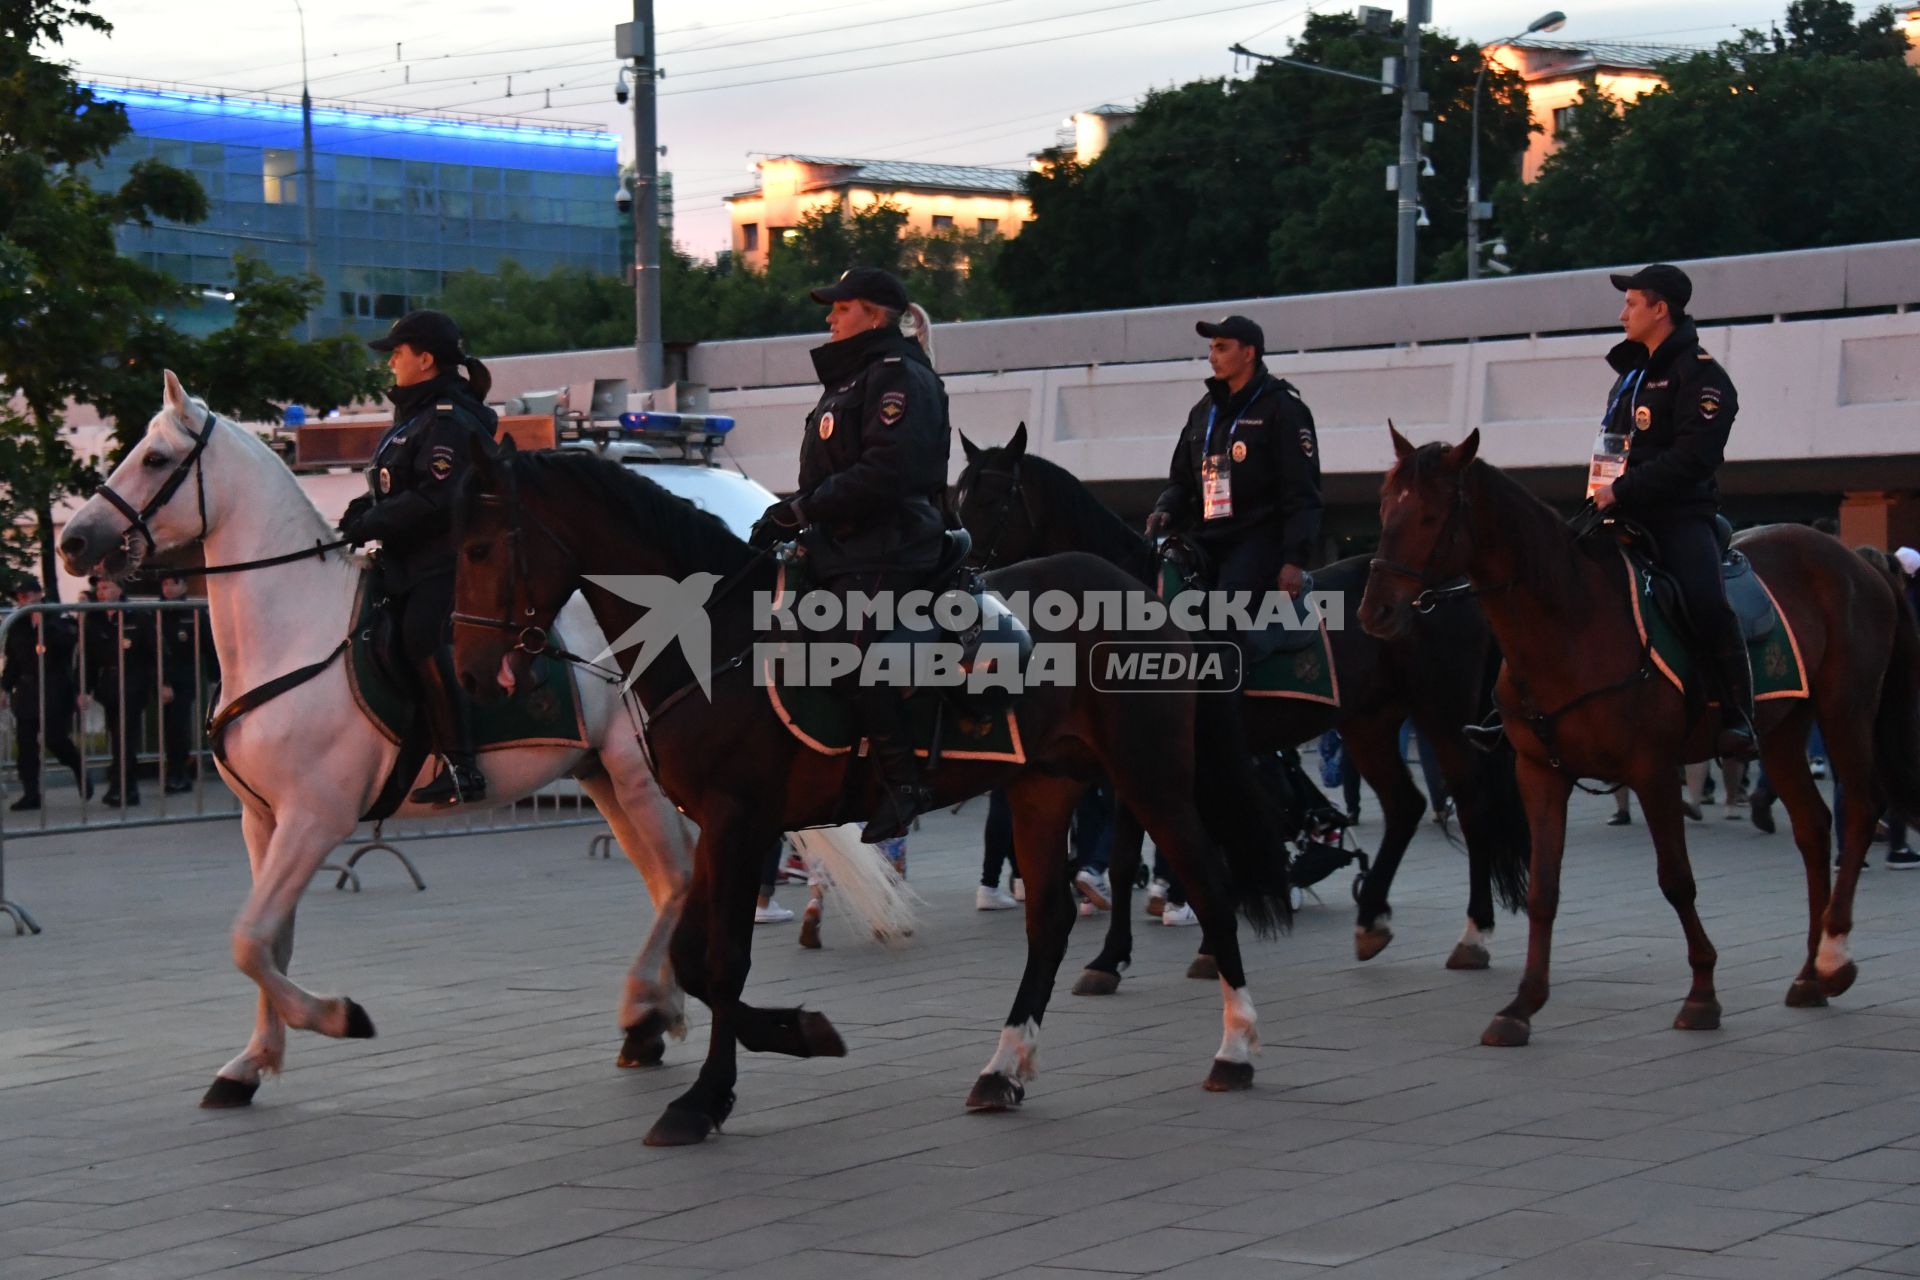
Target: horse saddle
1187, 566
1749, 599
991, 641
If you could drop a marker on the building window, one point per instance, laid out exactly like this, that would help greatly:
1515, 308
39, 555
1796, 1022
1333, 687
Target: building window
751, 232
989, 226
279, 176
1563, 122
942, 222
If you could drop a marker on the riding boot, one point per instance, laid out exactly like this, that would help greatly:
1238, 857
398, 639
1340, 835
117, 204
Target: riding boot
1737, 738
450, 722
1488, 734
883, 719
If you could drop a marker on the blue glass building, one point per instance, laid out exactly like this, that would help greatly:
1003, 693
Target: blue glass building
401, 202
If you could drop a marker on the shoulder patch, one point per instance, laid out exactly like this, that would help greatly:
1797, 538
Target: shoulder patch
440, 462
893, 407
1710, 401
1306, 441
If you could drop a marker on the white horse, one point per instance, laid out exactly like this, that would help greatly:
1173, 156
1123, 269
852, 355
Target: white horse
308, 762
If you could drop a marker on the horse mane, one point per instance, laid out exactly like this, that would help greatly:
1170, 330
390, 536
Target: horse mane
1102, 532
629, 506
1546, 556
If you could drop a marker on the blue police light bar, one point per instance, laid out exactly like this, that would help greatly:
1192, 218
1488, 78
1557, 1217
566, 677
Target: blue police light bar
677, 423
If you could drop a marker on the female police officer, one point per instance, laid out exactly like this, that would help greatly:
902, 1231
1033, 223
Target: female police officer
415, 472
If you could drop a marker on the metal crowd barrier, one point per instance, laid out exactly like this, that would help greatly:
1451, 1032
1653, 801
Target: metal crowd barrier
123, 703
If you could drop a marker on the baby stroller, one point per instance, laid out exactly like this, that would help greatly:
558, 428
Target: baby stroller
1315, 826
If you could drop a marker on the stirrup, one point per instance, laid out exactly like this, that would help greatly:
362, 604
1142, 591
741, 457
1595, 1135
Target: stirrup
454, 784
894, 817
1486, 736
1737, 742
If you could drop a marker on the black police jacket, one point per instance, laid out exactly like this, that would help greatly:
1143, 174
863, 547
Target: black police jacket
416, 471
179, 655
1677, 405
54, 633
119, 642
1266, 432
873, 465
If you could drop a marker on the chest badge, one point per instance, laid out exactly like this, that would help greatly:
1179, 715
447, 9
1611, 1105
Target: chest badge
1642, 417
826, 425
1239, 451
386, 481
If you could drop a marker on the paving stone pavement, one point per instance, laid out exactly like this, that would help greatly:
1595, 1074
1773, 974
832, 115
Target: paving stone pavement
487, 1133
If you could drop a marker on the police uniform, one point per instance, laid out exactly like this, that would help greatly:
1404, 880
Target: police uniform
119, 675
186, 647
1244, 482
873, 474
412, 481
41, 643
1676, 406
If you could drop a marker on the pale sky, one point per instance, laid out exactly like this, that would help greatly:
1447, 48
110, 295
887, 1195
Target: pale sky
726, 96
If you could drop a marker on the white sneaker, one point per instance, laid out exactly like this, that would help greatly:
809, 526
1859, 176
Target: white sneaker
1295, 898
1093, 886
1156, 897
1087, 908
1019, 889
772, 913
1180, 916
991, 897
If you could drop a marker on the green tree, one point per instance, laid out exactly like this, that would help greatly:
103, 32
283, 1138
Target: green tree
514, 312
1271, 184
1763, 144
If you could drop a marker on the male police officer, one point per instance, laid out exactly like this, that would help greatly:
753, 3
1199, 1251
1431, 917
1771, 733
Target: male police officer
1677, 405
873, 469
1245, 477
416, 469
186, 646
39, 675
119, 673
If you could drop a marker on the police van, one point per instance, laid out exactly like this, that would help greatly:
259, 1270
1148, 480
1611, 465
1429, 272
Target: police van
675, 451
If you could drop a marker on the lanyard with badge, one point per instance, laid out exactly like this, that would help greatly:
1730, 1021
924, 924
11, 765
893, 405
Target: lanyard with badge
1609, 461
1216, 469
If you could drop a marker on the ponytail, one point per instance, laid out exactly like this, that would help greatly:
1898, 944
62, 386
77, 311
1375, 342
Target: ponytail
918, 325
478, 376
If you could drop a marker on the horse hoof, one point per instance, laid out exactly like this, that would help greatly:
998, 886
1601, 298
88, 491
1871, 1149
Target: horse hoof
1228, 1077
1698, 1015
821, 1040
1837, 982
1469, 956
359, 1025
1505, 1032
641, 1049
1368, 943
1205, 968
1805, 993
1096, 982
810, 930
679, 1127
224, 1094
995, 1092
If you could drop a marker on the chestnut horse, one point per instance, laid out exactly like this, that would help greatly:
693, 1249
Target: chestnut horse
1581, 699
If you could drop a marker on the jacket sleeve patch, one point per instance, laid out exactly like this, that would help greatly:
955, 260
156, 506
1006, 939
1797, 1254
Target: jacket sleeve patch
1306, 441
893, 407
1710, 401
440, 462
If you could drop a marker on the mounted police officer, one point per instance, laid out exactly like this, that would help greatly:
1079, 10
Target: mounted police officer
1676, 405
438, 415
1244, 483
39, 676
873, 472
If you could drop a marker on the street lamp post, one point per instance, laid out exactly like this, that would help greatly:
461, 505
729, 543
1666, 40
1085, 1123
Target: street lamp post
307, 182
1475, 210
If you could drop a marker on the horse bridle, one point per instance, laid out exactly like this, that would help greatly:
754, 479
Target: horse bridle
1016, 498
1434, 592
528, 638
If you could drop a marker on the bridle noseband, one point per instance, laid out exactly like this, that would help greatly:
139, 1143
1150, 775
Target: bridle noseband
1435, 591
137, 519
1015, 500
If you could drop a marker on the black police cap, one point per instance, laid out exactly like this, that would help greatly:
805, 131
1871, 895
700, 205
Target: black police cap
1239, 328
432, 331
24, 583
865, 284
1663, 278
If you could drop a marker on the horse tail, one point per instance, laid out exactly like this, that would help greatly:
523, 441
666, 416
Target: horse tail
1511, 853
1239, 813
1896, 723
874, 893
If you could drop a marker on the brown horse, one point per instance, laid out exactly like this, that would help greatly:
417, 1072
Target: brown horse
1581, 699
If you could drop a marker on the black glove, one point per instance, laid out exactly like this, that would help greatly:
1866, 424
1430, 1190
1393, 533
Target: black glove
778, 523
352, 516
1158, 523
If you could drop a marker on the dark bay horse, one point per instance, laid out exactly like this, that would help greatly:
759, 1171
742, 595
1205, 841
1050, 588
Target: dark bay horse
536, 527
1018, 506
1581, 699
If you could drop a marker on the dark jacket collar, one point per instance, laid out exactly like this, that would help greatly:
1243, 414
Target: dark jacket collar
1628, 356
1229, 403
408, 401
838, 361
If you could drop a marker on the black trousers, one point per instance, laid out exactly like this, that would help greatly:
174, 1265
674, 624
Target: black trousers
1251, 562
1690, 551
426, 618
124, 739
176, 724
58, 729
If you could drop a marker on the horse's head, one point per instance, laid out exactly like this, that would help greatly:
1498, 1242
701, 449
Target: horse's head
1425, 536
511, 577
155, 500
991, 503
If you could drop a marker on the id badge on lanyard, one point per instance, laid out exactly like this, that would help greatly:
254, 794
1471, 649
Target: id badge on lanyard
1216, 487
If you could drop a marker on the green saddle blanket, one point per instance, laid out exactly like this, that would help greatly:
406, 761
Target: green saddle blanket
1778, 671
1300, 664
546, 715
824, 720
